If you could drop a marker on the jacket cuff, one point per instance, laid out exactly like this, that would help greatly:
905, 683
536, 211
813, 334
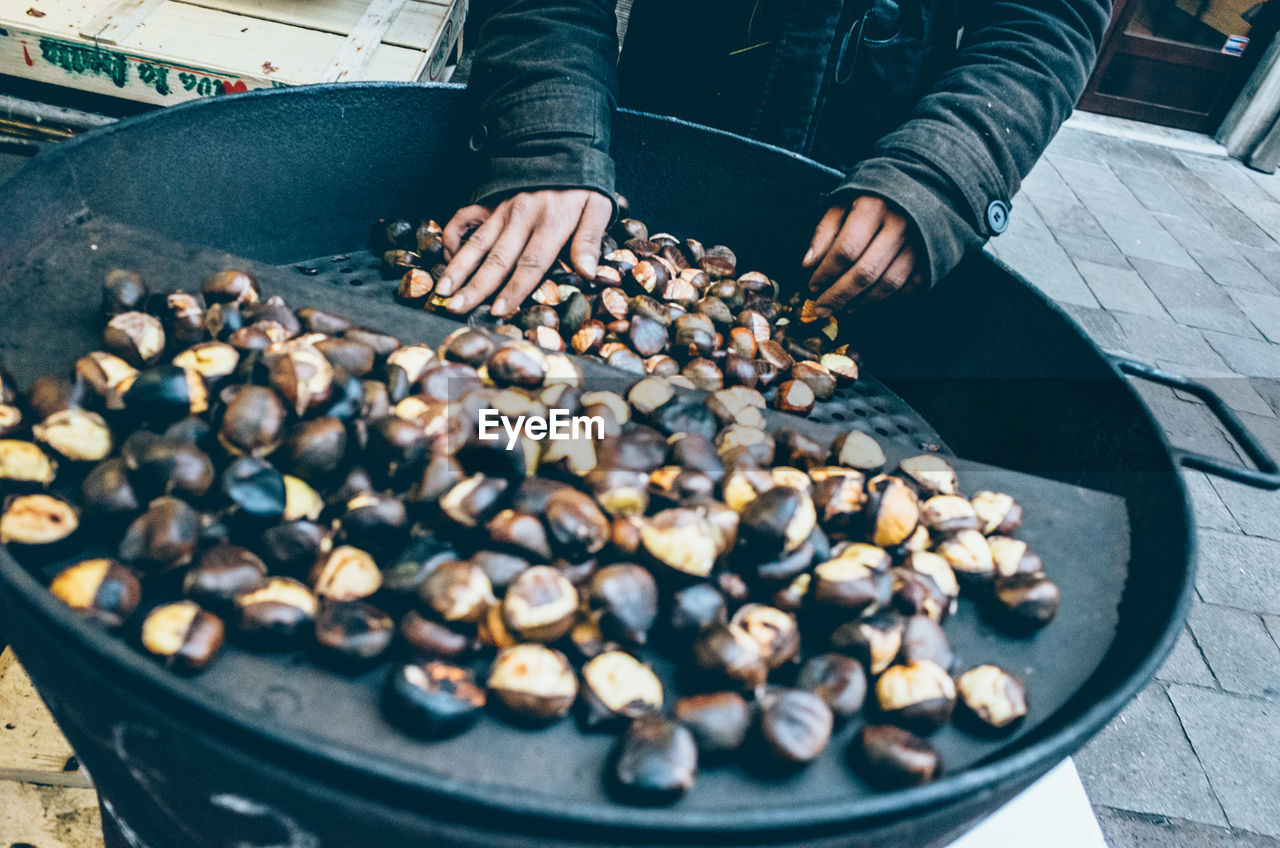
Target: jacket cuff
944, 231
547, 136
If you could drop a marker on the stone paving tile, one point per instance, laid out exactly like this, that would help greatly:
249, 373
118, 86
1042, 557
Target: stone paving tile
1101, 326
1238, 741
1257, 512
1142, 761
1048, 267
1151, 339
1186, 664
1265, 429
1266, 261
1124, 829
1237, 226
1189, 425
1120, 289
1269, 390
1238, 648
1149, 242
1045, 181
1236, 391
1239, 571
1067, 216
1251, 357
1086, 178
1262, 309
1103, 251
1272, 623
1210, 512
1235, 186
1233, 271
1194, 299
1157, 193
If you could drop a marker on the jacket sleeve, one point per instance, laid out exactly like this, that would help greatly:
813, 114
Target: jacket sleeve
542, 93
956, 162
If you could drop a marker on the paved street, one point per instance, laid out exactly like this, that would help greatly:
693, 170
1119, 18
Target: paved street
1174, 258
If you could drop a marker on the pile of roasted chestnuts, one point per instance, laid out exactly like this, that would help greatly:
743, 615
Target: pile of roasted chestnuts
659, 306
225, 468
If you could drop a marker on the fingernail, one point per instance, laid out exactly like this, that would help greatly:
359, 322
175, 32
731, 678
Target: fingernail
807, 257
587, 263
822, 312
499, 307
444, 287
453, 304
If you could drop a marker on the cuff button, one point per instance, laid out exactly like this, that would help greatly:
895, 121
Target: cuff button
478, 138
998, 216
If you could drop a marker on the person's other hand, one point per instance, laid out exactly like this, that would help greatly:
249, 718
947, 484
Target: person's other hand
861, 252
516, 242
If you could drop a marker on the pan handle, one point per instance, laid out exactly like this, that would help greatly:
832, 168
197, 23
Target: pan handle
1265, 476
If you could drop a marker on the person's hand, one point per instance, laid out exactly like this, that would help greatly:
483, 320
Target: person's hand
861, 252
516, 242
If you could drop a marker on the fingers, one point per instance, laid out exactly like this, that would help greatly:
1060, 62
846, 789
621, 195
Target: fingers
471, 251
539, 254
865, 219
498, 262
463, 221
824, 235
901, 271
870, 266
585, 250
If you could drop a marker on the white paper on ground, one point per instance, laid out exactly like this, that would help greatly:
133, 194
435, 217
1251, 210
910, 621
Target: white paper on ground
1054, 812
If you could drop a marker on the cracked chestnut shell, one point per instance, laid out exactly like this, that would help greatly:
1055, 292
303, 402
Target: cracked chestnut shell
930, 474
103, 589
892, 511
944, 514
540, 605
918, 695
182, 634
24, 465
857, 450
617, 687
276, 614
352, 634
457, 591
533, 681
474, 500
576, 527
303, 377
719, 721
166, 393
682, 540
969, 555
998, 513
875, 641
925, 585
991, 699
1013, 556
346, 574
891, 758
75, 435
838, 680
856, 581
432, 699
731, 654
221, 574
795, 725
231, 286
656, 761
1024, 602
163, 537
777, 521
776, 632
136, 337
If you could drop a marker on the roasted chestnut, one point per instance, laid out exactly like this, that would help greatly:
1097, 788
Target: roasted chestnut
182, 634
75, 435
431, 638
255, 489
253, 422
540, 605
166, 393
23, 465
222, 573
731, 655
275, 614
616, 687
991, 698
136, 337
776, 632
432, 699
1013, 556
890, 757
857, 581
856, 449
777, 521
892, 511
123, 291
1025, 601
969, 555
997, 513
106, 493
168, 466
682, 540
626, 597
837, 679
656, 762
918, 695
100, 588
719, 721
924, 639
875, 641
163, 537
795, 725
303, 377
533, 681
351, 634
930, 474
945, 514
457, 591
346, 574
231, 286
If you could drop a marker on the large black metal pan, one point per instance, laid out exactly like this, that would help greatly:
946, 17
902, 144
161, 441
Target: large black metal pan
278, 178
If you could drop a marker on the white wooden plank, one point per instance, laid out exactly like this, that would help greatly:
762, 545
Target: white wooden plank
31, 745
115, 22
357, 51
416, 25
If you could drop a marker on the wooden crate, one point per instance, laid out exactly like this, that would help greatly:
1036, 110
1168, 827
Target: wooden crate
168, 51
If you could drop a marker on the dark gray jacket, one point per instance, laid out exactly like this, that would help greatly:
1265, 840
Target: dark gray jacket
940, 106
